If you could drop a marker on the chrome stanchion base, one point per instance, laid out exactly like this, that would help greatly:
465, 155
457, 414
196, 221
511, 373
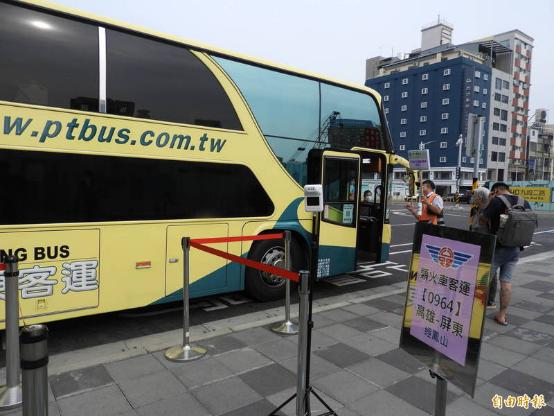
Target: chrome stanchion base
10, 397
181, 354
286, 328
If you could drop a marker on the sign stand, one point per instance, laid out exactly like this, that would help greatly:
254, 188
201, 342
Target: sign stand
303, 387
440, 394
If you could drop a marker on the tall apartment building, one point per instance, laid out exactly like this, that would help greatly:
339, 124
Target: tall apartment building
540, 148
502, 104
522, 47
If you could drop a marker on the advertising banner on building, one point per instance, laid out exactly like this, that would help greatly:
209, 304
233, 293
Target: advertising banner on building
532, 194
446, 301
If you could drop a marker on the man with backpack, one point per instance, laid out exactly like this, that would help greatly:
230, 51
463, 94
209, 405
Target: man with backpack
510, 218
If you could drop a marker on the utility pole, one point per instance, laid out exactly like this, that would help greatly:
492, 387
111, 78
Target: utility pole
459, 143
477, 151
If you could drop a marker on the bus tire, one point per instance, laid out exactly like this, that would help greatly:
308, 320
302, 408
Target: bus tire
263, 286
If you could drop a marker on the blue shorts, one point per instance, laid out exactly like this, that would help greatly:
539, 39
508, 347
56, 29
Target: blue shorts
505, 259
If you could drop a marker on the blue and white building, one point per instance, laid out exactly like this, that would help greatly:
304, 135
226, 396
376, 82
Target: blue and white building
429, 94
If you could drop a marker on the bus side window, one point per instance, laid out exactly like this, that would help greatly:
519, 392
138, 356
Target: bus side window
47, 60
156, 80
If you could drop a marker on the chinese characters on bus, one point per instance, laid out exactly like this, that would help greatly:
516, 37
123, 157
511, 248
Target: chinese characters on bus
443, 298
39, 281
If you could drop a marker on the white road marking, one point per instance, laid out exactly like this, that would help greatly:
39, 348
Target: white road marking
400, 252
399, 225
545, 231
399, 245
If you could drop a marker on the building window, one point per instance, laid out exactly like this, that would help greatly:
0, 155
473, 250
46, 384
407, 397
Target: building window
504, 115
424, 91
464, 159
446, 72
444, 130
494, 156
475, 103
505, 99
402, 147
497, 97
495, 126
404, 81
476, 88
402, 134
468, 80
445, 101
498, 83
477, 74
483, 105
385, 97
485, 91
404, 107
505, 84
445, 87
405, 94
503, 127
486, 77
444, 145
496, 111
422, 132
444, 116
501, 157
387, 85
424, 77
386, 110
423, 104
442, 159
495, 140
403, 121
422, 119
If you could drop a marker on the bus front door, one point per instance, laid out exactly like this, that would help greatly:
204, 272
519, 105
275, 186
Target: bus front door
373, 199
339, 173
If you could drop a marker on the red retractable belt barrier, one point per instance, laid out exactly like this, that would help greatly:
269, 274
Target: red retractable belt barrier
287, 274
233, 239
2, 266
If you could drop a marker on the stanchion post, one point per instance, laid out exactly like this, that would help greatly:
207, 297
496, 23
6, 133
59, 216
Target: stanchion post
186, 351
34, 366
302, 393
287, 327
10, 394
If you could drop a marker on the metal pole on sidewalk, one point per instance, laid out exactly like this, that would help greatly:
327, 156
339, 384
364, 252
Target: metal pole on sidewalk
186, 351
440, 395
34, 366
287, 327
302, 393
10, 394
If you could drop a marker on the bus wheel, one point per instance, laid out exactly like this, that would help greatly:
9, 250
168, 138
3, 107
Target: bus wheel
265, 286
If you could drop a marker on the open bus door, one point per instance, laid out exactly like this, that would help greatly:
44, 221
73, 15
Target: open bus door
354, 203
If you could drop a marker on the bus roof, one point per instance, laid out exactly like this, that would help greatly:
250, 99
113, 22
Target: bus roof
49, 6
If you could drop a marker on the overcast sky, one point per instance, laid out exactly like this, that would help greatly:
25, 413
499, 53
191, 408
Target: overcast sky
334, 37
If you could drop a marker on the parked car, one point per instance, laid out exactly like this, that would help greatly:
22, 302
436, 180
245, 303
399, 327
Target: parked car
451, 197
466, 197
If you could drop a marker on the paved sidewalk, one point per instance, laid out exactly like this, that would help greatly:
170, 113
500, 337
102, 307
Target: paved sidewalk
356, 364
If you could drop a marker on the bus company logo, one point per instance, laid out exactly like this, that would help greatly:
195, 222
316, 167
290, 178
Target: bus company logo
446, 257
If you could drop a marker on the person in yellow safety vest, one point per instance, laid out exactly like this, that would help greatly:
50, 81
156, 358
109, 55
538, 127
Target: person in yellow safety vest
432, 204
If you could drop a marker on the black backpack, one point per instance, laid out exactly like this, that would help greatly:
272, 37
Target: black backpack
520, 225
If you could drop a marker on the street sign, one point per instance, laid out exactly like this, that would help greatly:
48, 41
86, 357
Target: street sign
419, 159
446, 301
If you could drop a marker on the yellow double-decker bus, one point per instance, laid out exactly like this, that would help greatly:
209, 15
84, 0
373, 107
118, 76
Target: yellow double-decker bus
116, 141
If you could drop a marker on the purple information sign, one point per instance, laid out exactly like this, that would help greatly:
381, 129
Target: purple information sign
443, 298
